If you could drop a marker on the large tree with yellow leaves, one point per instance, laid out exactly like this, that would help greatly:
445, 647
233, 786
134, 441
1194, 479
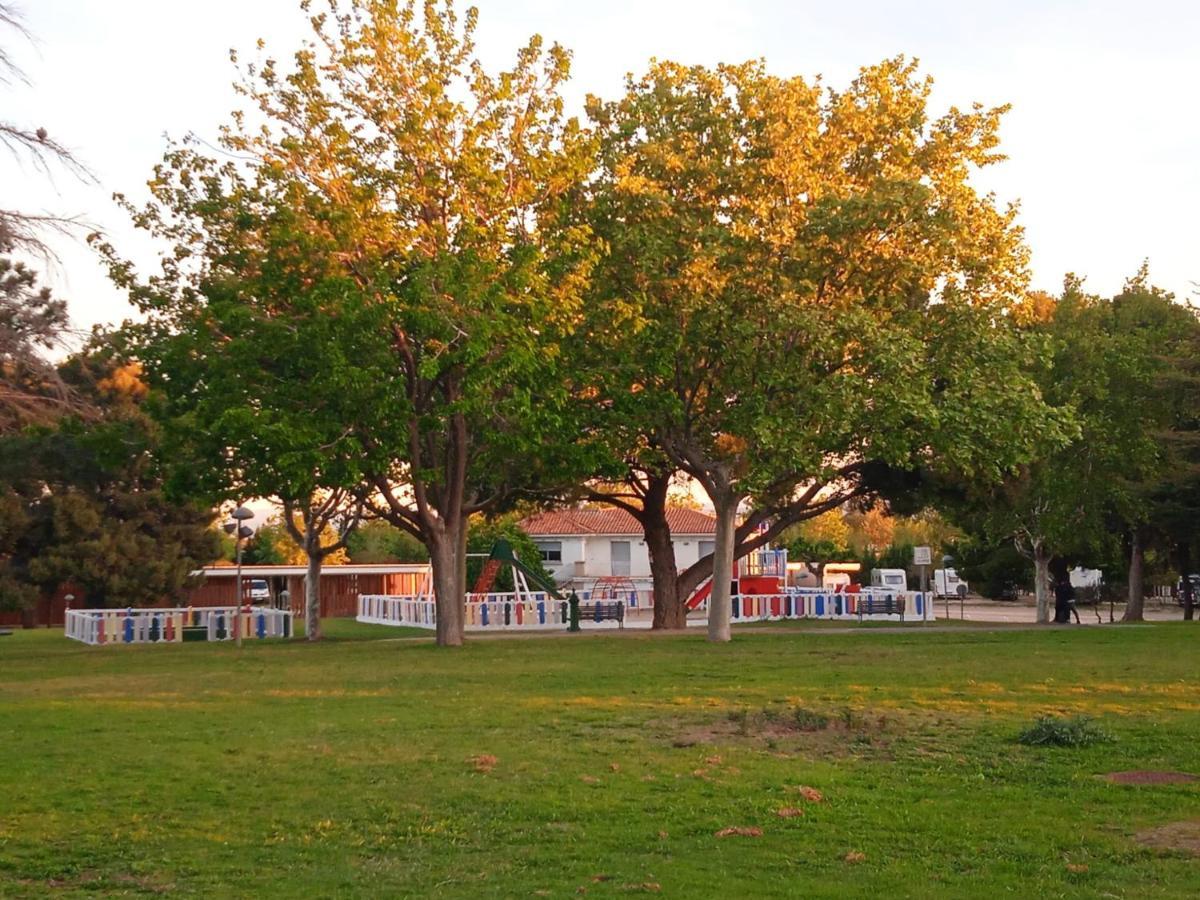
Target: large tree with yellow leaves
364, 297
802, 288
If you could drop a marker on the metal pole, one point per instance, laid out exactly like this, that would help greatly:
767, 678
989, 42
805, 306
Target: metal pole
237, 614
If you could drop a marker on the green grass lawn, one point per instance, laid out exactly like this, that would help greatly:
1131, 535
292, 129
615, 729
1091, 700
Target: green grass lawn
363, 767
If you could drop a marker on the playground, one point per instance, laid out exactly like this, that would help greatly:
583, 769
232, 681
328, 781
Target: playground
808, 763
760, 594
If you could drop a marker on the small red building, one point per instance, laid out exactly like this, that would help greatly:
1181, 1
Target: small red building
340, 585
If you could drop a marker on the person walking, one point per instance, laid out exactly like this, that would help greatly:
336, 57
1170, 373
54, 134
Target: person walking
1064, 602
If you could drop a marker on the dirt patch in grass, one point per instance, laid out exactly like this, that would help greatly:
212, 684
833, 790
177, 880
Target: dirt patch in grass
1176, 837
1149, 776
92, 880
793, 729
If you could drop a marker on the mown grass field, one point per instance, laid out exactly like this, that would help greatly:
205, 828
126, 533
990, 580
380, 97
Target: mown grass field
364, 767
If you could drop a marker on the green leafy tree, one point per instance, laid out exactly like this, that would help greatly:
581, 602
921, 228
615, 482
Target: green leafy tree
482, 537
818, 541
371, 269
802, 290
85, 502
1109, 361
380, 542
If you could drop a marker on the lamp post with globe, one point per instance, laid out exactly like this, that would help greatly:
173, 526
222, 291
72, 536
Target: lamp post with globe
240, 531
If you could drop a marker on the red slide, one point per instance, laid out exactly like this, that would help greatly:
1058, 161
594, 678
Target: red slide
701, 595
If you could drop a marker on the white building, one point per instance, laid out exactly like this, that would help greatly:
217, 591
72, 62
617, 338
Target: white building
580, 546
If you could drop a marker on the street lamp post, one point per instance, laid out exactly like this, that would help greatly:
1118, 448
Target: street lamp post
240, 531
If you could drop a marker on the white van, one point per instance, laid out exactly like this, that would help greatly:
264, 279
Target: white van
889, 579
259, 591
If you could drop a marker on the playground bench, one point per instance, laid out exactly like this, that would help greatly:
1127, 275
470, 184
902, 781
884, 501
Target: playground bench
889, 605
602, 612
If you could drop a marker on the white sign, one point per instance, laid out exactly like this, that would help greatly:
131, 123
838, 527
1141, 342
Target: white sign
922, 556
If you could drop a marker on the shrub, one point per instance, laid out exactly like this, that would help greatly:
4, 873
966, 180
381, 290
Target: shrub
1053, 731
809, 720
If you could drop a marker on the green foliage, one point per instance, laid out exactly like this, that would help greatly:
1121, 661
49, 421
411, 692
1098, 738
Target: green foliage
381, 542
85, 504
809, 720
370, 298
994, 569
1054, 731
32, 322
268, 545
704, 320
1115, 363
484, 533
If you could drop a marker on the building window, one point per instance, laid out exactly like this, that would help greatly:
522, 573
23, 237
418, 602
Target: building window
707, 547
551, 551
619, 551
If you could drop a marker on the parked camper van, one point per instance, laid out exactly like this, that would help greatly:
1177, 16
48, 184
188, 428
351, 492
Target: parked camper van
891, 579
946, 583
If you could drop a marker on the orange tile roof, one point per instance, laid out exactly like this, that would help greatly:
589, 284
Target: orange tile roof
561, 522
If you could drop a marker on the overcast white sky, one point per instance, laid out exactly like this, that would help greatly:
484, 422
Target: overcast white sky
1103, 138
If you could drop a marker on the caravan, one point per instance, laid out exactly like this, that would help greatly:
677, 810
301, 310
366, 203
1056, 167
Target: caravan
889, 579
946, 583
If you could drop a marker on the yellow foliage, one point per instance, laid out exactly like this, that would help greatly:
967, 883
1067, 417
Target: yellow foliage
829, 527
729, 446
1036, 307
125, 381
871, 530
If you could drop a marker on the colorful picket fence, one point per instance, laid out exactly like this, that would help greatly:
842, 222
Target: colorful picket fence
173, 626
534, 611
483, 612
538, 611
819, 604
382, 609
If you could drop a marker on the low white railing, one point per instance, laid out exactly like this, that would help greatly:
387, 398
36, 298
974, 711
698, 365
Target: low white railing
483, 612
813, 603
380, 609
539, 611
497, 612
175, 625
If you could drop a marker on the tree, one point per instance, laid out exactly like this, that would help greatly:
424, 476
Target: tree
1156, 392
805, 289
32, 322
482, 537
310, 523
382, 218
1107, 361
377, 541
21, 230
818, 541
84, 501
872, 528
274, 544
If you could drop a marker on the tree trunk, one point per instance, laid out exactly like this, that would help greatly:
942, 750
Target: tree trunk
449, 580
1059, 573
1041, 580
1185, 571
312, 595
720, 601
1137, 560
670, 610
